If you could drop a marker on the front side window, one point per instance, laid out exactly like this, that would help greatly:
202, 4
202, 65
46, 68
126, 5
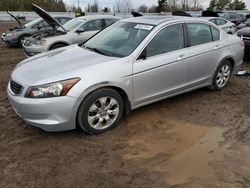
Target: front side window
199, 33
92, 25
168, 39
74, 23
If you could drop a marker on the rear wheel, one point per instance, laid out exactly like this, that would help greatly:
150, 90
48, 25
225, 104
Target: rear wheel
222, 76
100, 111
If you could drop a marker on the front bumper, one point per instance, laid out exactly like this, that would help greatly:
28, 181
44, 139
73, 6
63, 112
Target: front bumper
49, 114
30, 50
9, 40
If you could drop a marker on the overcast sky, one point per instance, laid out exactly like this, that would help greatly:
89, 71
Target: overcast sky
136, 3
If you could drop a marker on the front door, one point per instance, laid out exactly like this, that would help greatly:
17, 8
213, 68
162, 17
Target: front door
165, 69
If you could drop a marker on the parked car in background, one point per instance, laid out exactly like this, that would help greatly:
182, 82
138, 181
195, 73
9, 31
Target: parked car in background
14, 36
75, 31
224, 24
232, 17
132, 63
242, 25
241, 17
244, 33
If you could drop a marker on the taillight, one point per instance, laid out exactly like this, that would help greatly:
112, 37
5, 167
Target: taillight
234, 27
242, 44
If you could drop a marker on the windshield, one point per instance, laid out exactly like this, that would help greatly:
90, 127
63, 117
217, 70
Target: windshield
72, 24
120, 39
33, 22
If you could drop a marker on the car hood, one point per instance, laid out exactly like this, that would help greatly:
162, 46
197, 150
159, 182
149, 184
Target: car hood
49, 65
17, 20
46, 17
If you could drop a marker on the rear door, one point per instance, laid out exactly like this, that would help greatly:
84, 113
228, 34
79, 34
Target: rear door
204, 52
165, 69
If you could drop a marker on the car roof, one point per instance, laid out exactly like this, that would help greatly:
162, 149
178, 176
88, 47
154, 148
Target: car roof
97, 17
156, 20
209, 18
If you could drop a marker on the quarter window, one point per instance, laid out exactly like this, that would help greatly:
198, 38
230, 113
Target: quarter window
168, 39
215, 33
199, 33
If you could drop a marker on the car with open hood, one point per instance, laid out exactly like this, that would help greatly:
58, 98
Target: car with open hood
132, 63
15, 35
75, 31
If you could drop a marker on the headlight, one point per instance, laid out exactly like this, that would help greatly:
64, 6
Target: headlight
11, 34
38, 42
55, 89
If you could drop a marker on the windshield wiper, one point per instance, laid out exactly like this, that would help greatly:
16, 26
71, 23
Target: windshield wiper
96, 50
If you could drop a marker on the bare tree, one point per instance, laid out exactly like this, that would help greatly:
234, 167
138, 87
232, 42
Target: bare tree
124, 6
143, 8
95, 6
117, 6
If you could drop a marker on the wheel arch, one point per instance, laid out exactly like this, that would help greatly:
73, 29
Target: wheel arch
91, 89
58, 42
230, 59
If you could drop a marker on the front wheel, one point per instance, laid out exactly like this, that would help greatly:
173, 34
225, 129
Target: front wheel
100, 111
222, 76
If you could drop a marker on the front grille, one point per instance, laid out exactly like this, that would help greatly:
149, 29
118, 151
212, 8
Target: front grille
15, 87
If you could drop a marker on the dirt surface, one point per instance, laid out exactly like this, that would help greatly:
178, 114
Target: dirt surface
200, 140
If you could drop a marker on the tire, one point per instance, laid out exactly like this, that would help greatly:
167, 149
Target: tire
222, 76
55, 46
100, 111
19, 40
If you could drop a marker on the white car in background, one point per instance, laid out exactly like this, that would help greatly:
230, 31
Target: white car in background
76, 31
224, 24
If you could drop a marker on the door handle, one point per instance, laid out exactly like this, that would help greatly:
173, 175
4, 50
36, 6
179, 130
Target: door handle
181, 57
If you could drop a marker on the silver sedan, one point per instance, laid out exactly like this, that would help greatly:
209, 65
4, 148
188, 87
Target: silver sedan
132, 63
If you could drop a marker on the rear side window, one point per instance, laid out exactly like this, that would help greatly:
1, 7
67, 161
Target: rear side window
168, 39
109, 22
215, 33
221, 22
64, 20
199, 33
213, 21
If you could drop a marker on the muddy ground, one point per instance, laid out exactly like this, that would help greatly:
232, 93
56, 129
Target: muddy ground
200, 139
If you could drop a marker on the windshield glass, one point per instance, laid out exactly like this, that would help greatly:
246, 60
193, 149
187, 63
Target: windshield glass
120, 39
33, 22
72, 24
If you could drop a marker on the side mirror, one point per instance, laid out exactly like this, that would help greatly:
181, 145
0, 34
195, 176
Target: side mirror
143, 55
80, 30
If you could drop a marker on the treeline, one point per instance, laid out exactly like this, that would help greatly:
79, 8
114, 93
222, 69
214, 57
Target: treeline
227, 5
25, 5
